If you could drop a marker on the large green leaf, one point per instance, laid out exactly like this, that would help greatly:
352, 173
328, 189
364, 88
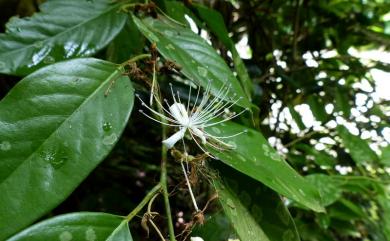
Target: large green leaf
198, 60
256, 212
74, 226
331, 187
56, 125
359, 149
121, 233
254, 157
62, 30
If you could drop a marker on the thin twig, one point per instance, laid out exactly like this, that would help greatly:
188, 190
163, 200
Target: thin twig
144, 201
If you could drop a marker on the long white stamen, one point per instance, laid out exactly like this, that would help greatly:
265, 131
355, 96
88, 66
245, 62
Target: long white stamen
167, 124
189, 188
229, 118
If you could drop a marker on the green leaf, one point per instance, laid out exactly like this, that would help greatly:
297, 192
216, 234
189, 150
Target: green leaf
254, 157
342, 101
329, 190
121, 233
320, 157
346, 210
331, 187
385, 157
215, 22
216, 227
73, 226
317, 108
56, 125
359, 149
62, 30
127, 43
256, 212
198, 60
385, 217
297, 117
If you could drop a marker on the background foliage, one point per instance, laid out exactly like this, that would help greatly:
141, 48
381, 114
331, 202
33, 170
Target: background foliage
313, 166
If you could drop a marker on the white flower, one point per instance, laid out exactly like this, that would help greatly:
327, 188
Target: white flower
194, 120
196, 239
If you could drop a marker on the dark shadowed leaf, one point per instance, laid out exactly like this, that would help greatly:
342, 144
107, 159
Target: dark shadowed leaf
255, 211
62, 30
56, 125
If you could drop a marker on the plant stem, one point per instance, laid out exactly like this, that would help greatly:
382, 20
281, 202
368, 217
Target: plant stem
136, 58
163, 182
144, 201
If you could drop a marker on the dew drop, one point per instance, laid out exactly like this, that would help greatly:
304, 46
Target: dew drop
55, 159
216, 130
169, 33
49, 60
153, 37
5, 146
242, 158
90, 234
275, 156
230, 203
202, 71
38, 44
302, 192
265, 149
170, 46
107, 126
66, 236
232, 144
109, 140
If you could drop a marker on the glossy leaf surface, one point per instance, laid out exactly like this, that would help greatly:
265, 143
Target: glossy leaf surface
255, 211
56, 125
197, 59
254, 157
73, 226
121, 233
62, 30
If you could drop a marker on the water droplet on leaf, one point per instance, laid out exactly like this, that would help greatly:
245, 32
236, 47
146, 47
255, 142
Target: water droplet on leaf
107, 126
216, 130
5, 145
49, 60
90, 234
170, 46
202, 71
110, 140
66, 236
